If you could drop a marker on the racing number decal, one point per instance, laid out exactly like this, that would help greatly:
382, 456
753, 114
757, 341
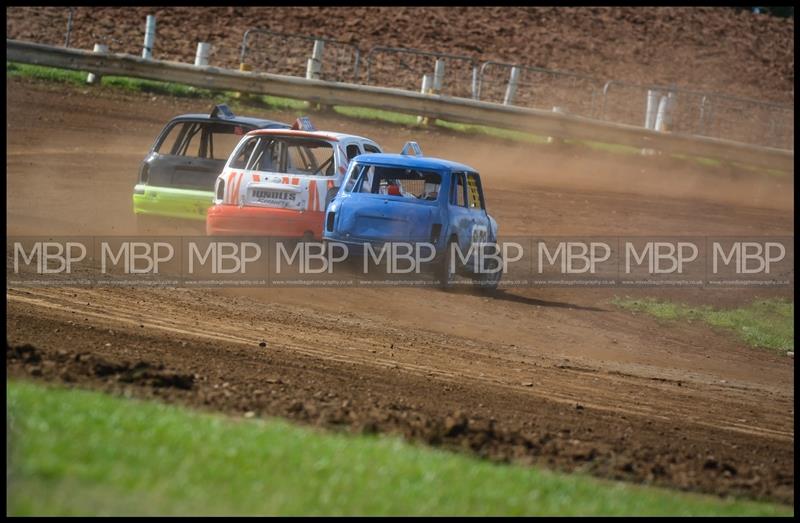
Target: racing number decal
238, 187
313, 197
229, 187
480, 234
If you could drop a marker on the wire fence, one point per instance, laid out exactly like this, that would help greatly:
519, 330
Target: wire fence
691, 112
80, 27
706, 114
404, 69
268, 51
540, 88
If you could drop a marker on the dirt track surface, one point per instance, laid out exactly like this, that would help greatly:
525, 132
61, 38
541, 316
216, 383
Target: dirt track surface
719, 49
556, 377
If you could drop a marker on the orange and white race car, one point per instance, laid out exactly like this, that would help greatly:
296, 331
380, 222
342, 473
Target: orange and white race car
278, 182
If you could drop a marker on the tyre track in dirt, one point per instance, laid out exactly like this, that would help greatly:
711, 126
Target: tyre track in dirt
591, 437
426, 354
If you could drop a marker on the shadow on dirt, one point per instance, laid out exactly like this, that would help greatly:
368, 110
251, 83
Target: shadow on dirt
515, 298
504, 295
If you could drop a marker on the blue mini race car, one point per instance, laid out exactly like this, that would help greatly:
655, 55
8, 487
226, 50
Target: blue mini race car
414, 199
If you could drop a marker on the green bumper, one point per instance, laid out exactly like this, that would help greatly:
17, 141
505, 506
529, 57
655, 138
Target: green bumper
171, 203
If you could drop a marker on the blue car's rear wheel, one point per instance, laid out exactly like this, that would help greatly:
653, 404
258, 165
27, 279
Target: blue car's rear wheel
445, 272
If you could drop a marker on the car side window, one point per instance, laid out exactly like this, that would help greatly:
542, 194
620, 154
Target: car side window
170, 139
222, 138
366, 179
353, 176
474, 197
189, 141
371, 148
457, 194
268, 156
243, 154
352, 151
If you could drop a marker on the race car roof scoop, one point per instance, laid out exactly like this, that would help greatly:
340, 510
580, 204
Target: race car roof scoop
303, 124
222, 111
411, 148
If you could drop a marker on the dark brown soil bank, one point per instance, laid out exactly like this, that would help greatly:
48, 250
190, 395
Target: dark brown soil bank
720, 49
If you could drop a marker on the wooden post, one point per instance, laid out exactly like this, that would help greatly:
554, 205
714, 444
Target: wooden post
243, 67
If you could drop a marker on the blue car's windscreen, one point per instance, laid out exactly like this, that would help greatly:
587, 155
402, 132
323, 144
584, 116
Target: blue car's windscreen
395, 181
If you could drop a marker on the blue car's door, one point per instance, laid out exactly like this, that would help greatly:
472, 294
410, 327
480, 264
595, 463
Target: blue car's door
460, 216
468, 218
481, 228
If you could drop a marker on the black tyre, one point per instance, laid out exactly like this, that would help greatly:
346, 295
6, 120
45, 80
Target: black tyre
487, 282
445, 273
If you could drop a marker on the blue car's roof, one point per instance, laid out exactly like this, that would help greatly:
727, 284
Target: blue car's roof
412, 162
257, 123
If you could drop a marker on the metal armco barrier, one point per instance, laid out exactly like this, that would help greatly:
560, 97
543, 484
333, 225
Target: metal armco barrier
546, 123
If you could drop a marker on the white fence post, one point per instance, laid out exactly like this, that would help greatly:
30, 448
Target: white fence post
662, 117
475, 94
426, 89
203, 50
149, 37
314, 65
653, 97
92, 78
652, 103
671, 100
438, 76
705, 113
556, 140
511, 90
